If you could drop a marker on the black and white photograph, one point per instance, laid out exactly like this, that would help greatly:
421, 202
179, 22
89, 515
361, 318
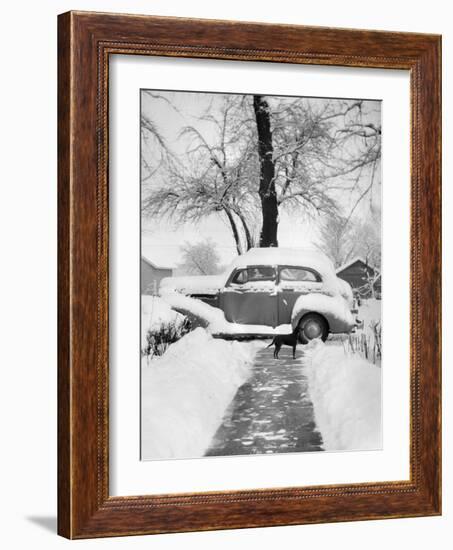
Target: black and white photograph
260, 274
225, 275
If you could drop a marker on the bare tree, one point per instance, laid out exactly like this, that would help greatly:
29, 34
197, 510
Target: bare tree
155, 151
342, 238
310, 151
366, 235
217, 176
263, 155
200, 258
336, 239
368, 289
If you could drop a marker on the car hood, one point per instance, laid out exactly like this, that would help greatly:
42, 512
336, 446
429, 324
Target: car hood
202, 284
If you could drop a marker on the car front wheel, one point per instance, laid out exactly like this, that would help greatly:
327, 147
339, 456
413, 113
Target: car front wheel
311, 326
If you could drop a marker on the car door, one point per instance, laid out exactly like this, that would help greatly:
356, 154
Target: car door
250, 296
294, 281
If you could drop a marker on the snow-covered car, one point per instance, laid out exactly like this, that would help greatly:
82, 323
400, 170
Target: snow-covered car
276, 286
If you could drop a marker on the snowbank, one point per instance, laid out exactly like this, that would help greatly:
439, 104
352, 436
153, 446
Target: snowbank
209, 317
213, 319
346, 395
370, 311
155, 313
186, 391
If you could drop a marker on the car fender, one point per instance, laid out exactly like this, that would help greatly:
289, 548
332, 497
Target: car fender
334, 309
346, 291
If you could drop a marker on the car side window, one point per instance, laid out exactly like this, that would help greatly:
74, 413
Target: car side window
260, 273
299, 274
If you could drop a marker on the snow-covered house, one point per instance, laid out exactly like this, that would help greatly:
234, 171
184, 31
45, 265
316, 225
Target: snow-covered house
151, 275
362, 277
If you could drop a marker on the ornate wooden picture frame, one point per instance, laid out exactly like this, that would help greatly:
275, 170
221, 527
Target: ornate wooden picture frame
85, 507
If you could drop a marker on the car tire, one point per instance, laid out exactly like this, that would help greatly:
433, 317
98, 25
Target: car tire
311, 326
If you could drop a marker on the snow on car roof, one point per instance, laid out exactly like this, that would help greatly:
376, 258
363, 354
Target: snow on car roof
306, 257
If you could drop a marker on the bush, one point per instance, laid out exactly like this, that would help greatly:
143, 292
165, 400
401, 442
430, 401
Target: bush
158, 339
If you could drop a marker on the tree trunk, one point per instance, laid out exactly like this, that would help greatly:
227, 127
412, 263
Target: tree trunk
268, 196
234, 228
248, 235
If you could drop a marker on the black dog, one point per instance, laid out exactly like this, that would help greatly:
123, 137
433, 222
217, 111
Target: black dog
285, 340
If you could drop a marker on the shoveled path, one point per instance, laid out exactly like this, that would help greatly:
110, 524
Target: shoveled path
271, 413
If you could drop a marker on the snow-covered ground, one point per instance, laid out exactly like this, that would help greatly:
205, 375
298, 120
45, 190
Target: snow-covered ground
186, 391
370, 311
346, 393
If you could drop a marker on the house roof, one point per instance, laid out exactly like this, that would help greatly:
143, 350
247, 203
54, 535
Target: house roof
353, 261
152, 264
